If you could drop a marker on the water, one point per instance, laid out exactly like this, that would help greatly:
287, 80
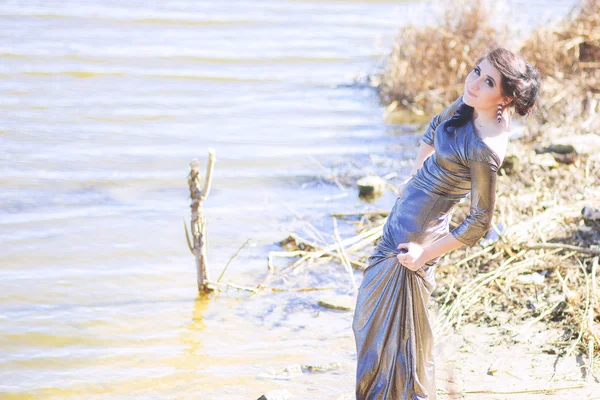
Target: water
103, 106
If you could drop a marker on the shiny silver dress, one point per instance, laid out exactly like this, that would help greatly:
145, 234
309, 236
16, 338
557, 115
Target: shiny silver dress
394, 341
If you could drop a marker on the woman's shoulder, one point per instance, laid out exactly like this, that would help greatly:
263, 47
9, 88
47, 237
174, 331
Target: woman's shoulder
491, 153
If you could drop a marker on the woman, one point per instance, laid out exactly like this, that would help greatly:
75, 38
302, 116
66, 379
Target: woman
468, 141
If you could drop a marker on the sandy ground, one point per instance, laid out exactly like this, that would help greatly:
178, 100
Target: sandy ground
486, 363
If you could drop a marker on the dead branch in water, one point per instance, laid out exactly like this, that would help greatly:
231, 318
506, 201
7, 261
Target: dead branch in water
198, 221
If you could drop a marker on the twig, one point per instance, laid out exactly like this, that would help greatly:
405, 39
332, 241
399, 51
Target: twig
472, 256
343, 255
468, 294
541, 390
331, 177
585, 311
233, 285
367, 240
591, 316
562, 246
310, 289
187, 237
542, 315
284, 254
316, 232
329, 250
232, 257
383, 213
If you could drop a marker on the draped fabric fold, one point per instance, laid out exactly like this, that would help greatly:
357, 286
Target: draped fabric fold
391, 324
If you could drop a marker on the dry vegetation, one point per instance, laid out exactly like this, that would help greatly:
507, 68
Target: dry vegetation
544, 266
568, 56
539, 199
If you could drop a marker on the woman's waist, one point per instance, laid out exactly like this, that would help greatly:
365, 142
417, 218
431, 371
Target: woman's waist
442, 183
431, 195
417, 209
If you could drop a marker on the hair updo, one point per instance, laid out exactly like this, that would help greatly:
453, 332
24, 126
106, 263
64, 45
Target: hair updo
520, 80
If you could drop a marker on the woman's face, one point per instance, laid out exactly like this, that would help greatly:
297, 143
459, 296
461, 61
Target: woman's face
482, 87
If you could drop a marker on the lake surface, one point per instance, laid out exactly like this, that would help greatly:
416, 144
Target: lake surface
102, 107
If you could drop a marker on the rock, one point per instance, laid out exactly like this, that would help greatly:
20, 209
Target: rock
276, 395
590, 213
565, 158
290, 244
535, 278
545, 160
370, 185
560, 148
586, 232
286, 373
342, 303
296, 370
591, 217
320, 367
560, 311
563, 153
583, 144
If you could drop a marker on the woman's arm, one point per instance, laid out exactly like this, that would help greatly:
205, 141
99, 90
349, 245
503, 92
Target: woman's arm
474, 226
479, 220
441, 246
423, 152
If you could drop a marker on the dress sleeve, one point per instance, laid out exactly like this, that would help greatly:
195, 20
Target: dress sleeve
448, 112
483, 200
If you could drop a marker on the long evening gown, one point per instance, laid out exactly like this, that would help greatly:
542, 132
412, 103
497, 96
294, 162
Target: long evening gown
394, 341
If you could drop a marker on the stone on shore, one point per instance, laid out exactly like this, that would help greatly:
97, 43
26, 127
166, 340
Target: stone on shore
545, 160
591, 217
583, 144
342, 303
276, 395
370, 185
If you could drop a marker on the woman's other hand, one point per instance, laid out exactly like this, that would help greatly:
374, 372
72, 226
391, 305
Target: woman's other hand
413, 258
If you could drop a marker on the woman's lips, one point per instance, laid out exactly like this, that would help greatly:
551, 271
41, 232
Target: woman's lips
470, 93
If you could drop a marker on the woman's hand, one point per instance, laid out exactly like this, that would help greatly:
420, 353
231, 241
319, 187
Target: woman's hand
414, 258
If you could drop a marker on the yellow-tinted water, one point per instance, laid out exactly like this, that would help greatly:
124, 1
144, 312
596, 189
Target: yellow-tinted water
102, 106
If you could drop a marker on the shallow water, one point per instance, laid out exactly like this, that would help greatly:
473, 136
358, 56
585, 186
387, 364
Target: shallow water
103, 106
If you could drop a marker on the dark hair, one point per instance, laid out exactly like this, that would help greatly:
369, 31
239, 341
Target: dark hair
519, 79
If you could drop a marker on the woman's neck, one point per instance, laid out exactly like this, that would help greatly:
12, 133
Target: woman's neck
486, 122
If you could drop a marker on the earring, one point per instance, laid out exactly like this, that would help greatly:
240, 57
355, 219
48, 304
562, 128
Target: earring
499, 112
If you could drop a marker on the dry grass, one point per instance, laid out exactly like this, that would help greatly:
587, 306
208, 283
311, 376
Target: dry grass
568, 56
541, 208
